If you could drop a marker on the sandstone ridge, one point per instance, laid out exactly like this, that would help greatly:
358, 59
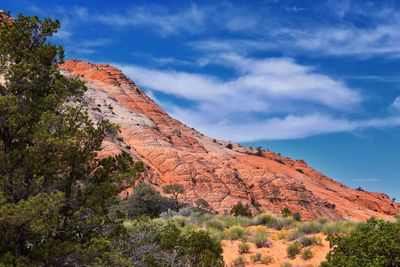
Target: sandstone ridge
175, 153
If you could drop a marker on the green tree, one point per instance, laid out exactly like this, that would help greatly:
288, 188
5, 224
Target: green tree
55, 193
241, 210
145, 201
201, 203
375, 243
286, 212
174, 189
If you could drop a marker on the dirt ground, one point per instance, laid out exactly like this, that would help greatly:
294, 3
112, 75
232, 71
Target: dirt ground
277, 251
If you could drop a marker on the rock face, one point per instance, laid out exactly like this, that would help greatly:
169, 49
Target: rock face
175, 153
5, 16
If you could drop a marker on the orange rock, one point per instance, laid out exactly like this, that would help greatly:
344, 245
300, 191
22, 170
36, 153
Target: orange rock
207, 169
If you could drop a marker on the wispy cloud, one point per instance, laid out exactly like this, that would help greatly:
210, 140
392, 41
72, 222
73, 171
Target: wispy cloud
262, 85
160, 19
269, 99
396, 104
330, 28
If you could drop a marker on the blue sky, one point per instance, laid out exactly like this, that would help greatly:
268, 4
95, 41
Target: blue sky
316, 80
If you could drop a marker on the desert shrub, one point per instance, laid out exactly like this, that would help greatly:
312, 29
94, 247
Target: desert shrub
189, 227
243, 247
256, 257
241, 210
215, 224
309, 227
238, 262
205, 217
145, 201
263, 219
216, 234
228, 220
296, 216
183, 211
283, 235
307, 241
201, 203
236, 233
343, 227
287, 264
286, 212
294, 235
284, 222
307, 254
374, 243
267, 259
229, 146
260, 240
242, 221
293, 249
156, 243
200, 249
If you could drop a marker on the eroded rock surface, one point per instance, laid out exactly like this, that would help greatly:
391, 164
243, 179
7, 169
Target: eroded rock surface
175, 153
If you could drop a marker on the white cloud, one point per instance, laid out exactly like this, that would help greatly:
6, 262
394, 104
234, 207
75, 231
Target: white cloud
162, 20
266, 85
270, 99
275, 128
396, 104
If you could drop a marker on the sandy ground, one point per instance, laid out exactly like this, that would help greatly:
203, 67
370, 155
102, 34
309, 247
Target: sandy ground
277, 251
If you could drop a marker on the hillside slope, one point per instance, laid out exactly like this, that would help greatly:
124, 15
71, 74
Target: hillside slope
175, 153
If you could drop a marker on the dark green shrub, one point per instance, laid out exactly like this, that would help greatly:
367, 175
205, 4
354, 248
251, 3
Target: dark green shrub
297, 216
201, 249
241, 210
201, 203
229, 146
375, 243
145, 201
293, 249
286, 212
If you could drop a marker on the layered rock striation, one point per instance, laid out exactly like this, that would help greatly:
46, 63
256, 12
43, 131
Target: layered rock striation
175, 153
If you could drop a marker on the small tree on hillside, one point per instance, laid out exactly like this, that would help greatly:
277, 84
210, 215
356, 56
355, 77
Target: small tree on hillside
286, 212
201, 203
174, 189
241, 210
146, 201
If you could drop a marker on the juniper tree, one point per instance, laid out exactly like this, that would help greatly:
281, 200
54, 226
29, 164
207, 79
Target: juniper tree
174, 189
54, 191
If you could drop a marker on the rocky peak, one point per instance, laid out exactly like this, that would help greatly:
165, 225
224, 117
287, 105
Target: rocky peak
5, 16
208, 168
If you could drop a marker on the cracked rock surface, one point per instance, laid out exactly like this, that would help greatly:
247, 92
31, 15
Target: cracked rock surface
175, 153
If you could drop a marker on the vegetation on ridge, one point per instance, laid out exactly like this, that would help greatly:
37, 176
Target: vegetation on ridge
59, 203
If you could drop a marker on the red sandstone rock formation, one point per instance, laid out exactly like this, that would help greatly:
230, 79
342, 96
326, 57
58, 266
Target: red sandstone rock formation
175, 153
5, 17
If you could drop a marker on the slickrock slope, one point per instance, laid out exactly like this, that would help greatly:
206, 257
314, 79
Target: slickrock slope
175, 153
